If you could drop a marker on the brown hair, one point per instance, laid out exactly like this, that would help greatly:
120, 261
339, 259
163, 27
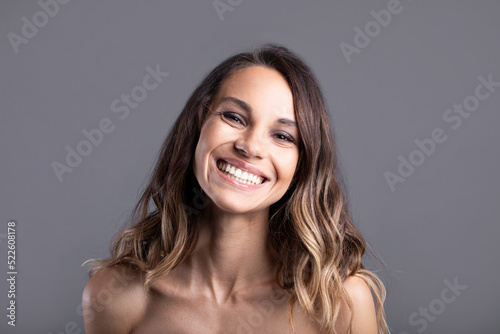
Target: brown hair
310, 226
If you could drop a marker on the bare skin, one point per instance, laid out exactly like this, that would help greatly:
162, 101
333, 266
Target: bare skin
227, 285
114, 302
195, 297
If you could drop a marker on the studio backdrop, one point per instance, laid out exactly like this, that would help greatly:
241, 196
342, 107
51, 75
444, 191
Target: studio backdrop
89, 90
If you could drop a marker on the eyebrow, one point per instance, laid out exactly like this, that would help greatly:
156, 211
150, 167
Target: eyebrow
247, 108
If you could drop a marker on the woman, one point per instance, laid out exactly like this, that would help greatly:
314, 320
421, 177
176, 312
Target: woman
244, 226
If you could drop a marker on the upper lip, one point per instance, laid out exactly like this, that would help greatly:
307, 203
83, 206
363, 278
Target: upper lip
244, 166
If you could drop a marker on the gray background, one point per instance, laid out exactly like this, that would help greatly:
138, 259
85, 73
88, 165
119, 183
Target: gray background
440, 224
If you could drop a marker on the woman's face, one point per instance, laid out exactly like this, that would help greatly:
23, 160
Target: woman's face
248, 148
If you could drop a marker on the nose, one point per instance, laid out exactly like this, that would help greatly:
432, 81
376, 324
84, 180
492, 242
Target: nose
251, 144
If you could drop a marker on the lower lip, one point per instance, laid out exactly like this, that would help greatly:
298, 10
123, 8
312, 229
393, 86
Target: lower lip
236, 183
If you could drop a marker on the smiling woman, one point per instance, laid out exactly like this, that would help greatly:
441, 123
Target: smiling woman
272, 250
254, 134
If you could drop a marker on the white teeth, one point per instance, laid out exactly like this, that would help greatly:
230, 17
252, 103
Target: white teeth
239, 175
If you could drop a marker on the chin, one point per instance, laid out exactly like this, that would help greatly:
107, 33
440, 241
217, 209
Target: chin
235, 209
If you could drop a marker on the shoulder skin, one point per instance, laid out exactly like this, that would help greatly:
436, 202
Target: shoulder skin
363, 313
113, 301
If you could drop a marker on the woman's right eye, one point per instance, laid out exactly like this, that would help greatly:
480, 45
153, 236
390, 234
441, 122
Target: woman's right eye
232, 118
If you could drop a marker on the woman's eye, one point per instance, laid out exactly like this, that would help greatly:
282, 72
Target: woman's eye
232, 117
285, 137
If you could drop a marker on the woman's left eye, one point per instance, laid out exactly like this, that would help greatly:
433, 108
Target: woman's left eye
284, 136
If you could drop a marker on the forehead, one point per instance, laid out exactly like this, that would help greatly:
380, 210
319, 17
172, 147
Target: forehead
260, 87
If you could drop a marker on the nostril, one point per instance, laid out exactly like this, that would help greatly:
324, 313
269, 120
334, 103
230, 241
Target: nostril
242, 151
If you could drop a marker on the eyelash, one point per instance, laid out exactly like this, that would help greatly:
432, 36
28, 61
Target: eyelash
287, 137
231, 115
234, 117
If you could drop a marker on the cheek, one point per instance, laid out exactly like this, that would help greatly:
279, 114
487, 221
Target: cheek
209, 140
287, 166
199, 155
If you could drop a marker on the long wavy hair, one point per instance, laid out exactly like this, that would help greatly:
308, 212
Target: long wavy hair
310, 228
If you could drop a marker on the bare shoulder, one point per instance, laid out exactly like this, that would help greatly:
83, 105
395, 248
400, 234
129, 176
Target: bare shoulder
113, 301
363, 313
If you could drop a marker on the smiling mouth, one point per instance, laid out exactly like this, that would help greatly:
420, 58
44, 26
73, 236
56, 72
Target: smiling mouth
239, 174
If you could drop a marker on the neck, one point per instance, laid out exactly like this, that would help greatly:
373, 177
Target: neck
233, 253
